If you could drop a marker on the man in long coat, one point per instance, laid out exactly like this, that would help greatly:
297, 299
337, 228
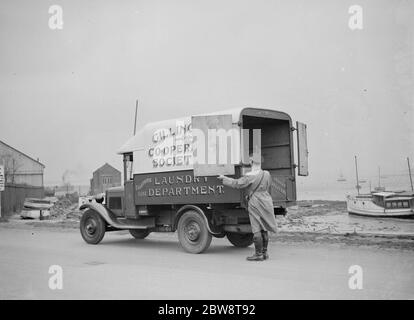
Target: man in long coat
257, 185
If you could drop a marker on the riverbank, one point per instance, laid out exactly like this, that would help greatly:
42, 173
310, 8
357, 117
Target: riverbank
332, 217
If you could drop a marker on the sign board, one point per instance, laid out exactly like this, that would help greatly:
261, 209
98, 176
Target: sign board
162, 146
2, 178
215, 145
168, 145
302, 149
181, 187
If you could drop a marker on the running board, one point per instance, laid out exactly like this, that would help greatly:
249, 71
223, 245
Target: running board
124, 223
120, 223
143, 223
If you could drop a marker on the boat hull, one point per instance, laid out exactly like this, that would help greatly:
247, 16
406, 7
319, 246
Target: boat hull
37, 206
365, 207
34, 214
383, 215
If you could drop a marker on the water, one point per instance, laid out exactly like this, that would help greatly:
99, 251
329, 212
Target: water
334, 190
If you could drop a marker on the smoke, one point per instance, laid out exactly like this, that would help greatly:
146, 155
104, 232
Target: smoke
67, 176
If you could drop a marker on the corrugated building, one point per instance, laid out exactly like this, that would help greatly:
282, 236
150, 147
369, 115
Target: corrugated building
23, 178
21, 168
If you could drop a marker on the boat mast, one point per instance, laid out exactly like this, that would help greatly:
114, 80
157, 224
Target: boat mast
356, 171
409, 172
379, 177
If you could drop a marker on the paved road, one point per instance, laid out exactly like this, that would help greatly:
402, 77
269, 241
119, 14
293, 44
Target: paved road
157, 268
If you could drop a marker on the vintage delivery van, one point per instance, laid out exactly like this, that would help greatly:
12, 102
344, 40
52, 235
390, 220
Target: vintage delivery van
170, 177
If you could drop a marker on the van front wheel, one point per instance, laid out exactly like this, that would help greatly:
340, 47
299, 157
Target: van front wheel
92, 227
193, 233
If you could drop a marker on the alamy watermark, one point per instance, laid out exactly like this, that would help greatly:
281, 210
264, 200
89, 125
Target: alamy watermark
56, 18
56, 280
214, 146
355, 21
355, 281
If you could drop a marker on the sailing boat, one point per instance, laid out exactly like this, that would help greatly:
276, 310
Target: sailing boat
381, 203
341, 178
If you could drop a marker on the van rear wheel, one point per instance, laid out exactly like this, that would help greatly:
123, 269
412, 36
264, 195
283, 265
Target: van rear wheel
240, 240
139, 233
92, 227
193, 233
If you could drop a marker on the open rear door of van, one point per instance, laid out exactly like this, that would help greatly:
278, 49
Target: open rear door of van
302, 149
215, 143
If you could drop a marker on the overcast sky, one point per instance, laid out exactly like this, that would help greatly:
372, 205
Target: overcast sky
68, 96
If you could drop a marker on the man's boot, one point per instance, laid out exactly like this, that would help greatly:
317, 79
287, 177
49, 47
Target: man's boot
258, 245
265, 237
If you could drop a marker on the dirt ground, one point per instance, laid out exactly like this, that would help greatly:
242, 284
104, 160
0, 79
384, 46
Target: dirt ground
332, 217
308, 221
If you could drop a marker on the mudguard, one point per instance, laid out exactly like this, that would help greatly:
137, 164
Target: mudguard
110, 217
99, 208
185, 208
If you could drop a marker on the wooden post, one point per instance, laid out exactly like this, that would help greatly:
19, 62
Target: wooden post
3, 178
125, 168
136, 112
